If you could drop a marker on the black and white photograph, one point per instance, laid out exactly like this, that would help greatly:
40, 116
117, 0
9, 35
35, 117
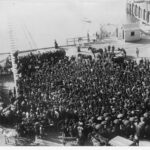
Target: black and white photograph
74, 73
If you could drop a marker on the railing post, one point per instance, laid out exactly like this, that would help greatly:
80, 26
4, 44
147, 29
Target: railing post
67, 42
74, 41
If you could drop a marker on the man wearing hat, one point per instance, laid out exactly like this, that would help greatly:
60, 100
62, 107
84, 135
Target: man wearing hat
80, 134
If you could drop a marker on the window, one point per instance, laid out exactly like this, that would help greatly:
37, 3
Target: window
132, 33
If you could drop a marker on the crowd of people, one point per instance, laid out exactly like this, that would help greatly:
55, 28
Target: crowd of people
83, 98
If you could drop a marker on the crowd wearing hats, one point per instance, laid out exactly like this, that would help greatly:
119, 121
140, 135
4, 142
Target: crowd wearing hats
96, 98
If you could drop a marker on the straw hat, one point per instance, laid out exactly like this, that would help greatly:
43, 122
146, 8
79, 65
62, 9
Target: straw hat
116, 121
120, 116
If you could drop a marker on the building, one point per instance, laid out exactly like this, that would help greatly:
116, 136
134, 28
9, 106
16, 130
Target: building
139, 9
129, 32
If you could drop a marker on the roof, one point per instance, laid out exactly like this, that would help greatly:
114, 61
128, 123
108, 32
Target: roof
132, 26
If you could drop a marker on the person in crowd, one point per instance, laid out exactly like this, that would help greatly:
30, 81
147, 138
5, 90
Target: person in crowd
110, 96
79, 49
137, 52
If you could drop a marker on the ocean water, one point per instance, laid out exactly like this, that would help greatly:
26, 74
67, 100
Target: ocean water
28, 24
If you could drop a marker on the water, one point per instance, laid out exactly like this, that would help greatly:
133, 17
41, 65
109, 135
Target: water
6, 84
36, 23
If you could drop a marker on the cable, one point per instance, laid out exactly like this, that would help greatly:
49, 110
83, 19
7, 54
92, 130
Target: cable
30, 35
26, 36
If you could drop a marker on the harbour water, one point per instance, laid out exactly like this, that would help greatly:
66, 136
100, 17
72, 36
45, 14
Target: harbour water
32, 24
36, 23
6, 84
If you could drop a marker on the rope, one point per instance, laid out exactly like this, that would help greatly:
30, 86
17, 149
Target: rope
26, 36
30, 35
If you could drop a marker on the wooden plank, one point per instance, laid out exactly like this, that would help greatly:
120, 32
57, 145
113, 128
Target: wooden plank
120, 141
42, 142
67, 138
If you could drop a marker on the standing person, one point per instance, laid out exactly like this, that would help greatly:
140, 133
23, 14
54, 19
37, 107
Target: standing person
88, 37
137, 131
56, 44
79, 50
137, 52
80, 134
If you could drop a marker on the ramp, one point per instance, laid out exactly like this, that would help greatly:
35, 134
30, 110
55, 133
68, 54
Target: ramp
120, 141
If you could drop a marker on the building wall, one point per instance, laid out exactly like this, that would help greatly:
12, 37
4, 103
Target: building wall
129, 38
139, 10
